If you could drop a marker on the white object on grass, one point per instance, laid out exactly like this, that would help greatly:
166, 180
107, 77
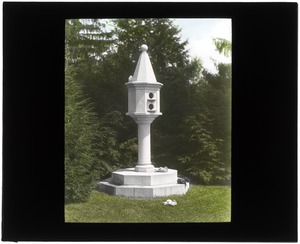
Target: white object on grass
170, 202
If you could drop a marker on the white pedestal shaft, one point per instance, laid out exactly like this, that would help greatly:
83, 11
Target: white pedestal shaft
144, 147
144, 144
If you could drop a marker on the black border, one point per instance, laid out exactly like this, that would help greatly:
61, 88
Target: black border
264, 142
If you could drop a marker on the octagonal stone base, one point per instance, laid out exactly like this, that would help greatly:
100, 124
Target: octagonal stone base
143, 191
129, 183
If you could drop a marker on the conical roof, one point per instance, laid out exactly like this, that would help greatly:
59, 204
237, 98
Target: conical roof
144, 71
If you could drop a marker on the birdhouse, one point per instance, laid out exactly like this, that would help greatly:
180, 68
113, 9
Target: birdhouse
144, 180
143, 89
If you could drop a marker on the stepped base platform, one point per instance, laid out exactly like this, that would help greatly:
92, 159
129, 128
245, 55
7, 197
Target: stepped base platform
129, 183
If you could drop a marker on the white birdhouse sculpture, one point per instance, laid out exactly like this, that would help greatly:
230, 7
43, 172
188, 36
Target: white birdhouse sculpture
143, 89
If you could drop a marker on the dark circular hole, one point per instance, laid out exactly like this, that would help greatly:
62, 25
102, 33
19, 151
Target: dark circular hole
151, 95
151, 106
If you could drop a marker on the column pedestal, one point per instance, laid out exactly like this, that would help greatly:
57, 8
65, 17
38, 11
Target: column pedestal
144, 148
144, 168
144, 163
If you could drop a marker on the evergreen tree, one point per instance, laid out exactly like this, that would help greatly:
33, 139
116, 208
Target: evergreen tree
207, 158
90, 143
80, 148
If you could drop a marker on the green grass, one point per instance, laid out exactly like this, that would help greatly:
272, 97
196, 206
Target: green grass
200, 204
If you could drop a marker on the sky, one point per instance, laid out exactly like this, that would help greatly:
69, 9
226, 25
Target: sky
199, 33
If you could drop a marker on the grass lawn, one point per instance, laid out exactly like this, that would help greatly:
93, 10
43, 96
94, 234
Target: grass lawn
200, 204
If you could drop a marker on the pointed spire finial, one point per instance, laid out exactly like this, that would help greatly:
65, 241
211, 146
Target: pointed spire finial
144, 48
143, 70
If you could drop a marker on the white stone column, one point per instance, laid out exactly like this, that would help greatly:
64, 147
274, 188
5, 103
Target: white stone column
144, 145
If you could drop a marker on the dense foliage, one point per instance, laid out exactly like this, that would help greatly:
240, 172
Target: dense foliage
193, 135
81, 130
